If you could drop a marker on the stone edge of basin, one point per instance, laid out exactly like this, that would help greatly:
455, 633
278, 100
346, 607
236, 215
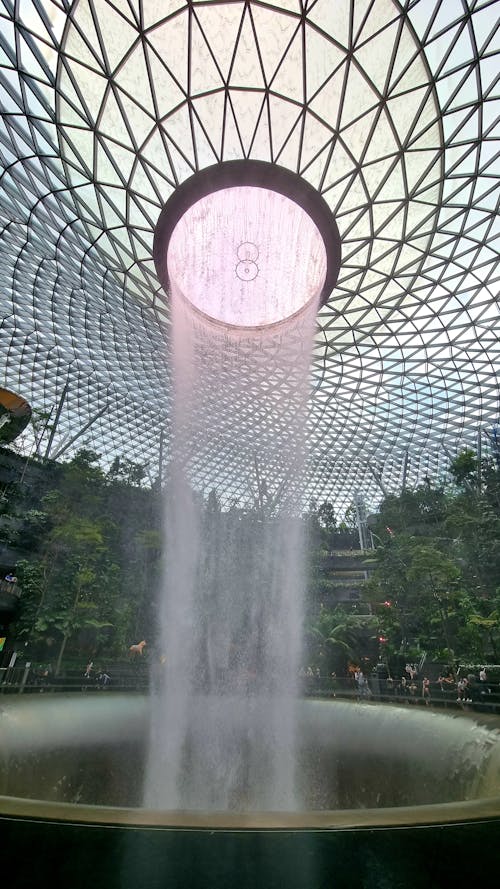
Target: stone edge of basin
346, 819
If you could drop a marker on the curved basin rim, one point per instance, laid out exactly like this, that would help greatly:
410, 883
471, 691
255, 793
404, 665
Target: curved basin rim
485, 809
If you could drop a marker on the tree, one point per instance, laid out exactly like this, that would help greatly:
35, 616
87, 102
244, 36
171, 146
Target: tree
87, 580
464, 469
126, 472
328, 524
474, 521
437, 563
334, 636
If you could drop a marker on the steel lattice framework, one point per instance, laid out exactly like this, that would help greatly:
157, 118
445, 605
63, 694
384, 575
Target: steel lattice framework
389, 109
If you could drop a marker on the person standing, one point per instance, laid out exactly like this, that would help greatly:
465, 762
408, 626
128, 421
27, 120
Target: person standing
103, 679
426, 690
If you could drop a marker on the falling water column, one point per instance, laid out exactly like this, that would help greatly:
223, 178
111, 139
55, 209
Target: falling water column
243, 314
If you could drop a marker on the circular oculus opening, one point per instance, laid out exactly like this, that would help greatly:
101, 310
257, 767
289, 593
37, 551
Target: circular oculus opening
247, 244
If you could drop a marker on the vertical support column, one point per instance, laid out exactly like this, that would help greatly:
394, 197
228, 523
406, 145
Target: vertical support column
80, 432
405, 470
160, 456
364, 542
479, 458
25, 677
56, 420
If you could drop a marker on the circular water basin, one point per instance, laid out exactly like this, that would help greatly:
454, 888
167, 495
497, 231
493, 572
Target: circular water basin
392, 798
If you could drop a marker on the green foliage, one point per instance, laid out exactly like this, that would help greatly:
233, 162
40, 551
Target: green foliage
336, 636
321, 527
350, 519
437, 564
126, 472
94, 542
464, 468
326, 517
92, 561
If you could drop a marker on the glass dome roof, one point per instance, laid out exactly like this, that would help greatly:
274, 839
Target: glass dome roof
388, 109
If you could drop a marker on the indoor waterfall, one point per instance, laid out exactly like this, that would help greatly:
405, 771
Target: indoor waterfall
223, 726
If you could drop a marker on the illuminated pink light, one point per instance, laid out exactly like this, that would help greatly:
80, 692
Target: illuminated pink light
247, 257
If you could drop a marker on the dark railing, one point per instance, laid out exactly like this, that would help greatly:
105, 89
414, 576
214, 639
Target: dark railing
479, 697
24, 680
70, 687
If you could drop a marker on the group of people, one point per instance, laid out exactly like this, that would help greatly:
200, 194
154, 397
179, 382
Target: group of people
451, 685
410, 686
469, 688
102, 678
310, 672
407, 686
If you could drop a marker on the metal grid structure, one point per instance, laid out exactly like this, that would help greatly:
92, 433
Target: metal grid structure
389, 109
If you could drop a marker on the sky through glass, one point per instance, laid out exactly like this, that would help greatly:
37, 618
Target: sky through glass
388, 109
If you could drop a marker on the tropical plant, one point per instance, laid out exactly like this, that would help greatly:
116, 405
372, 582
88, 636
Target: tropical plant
335, 636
